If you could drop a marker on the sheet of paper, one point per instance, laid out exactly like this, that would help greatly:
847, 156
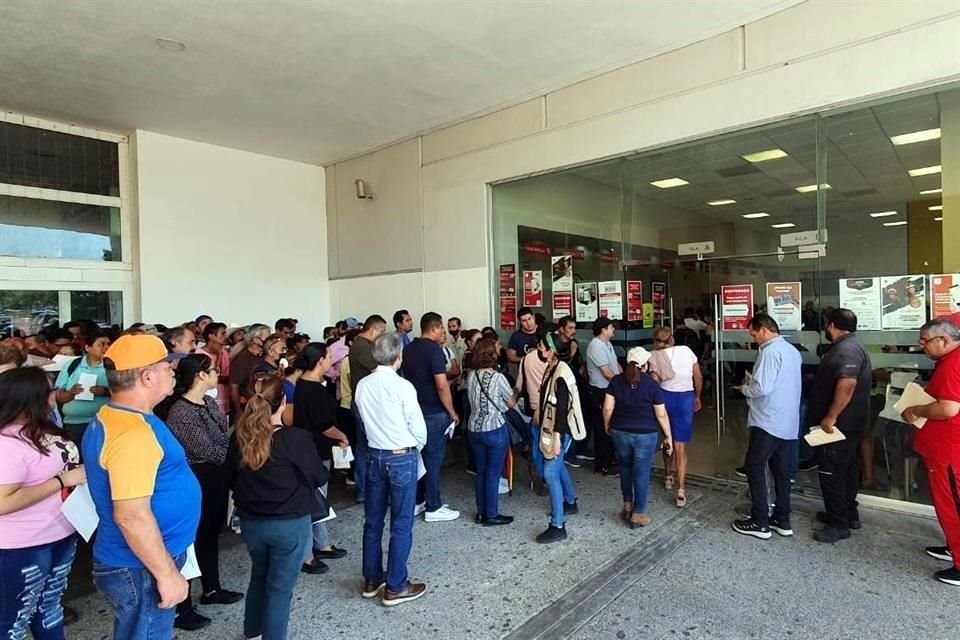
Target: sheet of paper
901, 379
80, 511
59, 362
87, 381
421, 469
449, 431
914, 395
191, 568
342, 457
330, 516
818, 437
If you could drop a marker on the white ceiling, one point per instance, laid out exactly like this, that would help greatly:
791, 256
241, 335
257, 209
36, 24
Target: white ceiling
322, 80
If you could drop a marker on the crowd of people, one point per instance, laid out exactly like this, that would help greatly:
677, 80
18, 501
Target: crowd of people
166, 426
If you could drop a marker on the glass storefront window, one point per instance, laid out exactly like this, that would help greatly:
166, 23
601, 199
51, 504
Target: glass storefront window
32, 228
26, 313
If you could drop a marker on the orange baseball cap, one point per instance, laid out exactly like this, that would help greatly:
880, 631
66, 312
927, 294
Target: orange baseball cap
136, 352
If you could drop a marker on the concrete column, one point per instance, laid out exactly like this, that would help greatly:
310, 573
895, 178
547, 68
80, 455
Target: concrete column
950, 179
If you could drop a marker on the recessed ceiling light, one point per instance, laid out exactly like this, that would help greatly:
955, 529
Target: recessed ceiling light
783, 225
936, 207
916, 136
931, 192
720, 203
168, 44
669, 182
924, 171
763, 156
759, 214
939, 219
807, 188
898, 223
883, 214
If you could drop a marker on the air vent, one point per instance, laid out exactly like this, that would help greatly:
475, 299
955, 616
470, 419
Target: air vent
740, 170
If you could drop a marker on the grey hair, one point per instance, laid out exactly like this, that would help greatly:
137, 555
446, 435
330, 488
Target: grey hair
253, 332
942, 327
124, 380
387, 348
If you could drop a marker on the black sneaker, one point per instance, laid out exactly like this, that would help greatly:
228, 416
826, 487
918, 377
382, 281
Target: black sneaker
329, 554
570, 508
750, 528
573, 463
221, 596
808, 465
741, 471
940, 553
829, 535
552, 534
314, 568
480, 518
586, 457
190, 621
497, 521
823, 518
782, 527
949, 576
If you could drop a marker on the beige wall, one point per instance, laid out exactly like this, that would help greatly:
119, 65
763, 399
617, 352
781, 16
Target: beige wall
810, 57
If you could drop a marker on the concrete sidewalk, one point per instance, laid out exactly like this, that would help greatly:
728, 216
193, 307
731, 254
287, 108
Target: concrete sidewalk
687, 575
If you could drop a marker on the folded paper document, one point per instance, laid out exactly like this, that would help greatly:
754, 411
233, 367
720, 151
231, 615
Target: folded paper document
818, 436
914, 395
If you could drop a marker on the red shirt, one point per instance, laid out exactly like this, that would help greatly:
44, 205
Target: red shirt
939, 440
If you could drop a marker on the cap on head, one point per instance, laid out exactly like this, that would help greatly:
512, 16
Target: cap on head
138, 351
638, 355
352, 322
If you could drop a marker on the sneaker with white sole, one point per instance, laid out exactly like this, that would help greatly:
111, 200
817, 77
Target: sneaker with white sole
781, 527
949, 576
940, 553
443, 514
420, 508
749, 527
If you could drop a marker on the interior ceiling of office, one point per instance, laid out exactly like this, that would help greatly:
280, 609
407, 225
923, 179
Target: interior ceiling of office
322, 80
866, 172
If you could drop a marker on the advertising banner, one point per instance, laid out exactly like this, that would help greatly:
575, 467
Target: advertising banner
862, 296
736, 306
562, 267
586, 301
648, 313
508, 313
659, 299
783, 304
634, 300
533, 288
508, 280
945, 293
904, 302
611, 299
562, 305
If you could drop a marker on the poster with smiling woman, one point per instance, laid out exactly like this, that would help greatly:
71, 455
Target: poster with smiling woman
904, 302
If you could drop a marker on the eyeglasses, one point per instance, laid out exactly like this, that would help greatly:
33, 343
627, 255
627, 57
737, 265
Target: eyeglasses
925, 341
214, 370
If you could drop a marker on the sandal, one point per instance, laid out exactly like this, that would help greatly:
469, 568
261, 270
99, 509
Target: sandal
668, 482
681, 498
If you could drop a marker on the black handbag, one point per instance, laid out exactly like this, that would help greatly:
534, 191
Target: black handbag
516, 426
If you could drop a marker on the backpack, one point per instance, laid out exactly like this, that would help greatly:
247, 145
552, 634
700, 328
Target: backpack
688, 337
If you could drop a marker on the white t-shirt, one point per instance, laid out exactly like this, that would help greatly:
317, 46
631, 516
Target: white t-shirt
682, 359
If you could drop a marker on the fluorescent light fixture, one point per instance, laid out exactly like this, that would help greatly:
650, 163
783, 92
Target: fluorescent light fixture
898, 223
807, 188
783, 225
763, 156
759, 214
925, 171
916, 136
883, 214
936, 207
939, 219
720, 203
931, 192
669, 182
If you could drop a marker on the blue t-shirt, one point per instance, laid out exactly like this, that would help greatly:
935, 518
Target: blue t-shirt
132, 455
289, 389
423, 360
633, 410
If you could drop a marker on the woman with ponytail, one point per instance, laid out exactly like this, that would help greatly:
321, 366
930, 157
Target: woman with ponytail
315, 409
276, 472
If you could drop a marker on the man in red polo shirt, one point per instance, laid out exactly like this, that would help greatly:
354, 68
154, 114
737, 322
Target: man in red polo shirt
938, 442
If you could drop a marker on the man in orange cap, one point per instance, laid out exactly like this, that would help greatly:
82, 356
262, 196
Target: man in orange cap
147, 497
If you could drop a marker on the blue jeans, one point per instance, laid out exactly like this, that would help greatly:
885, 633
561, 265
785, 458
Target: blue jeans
489, 452
359, 457
428, 489
133, 596
558, 481
33, 580
636, 451
391, 478
277, 548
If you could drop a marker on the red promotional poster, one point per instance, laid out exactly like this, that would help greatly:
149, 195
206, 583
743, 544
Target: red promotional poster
945, 294
533, 288
634, 300
508, 313
508, 280
736, 306
562, 305
659, 296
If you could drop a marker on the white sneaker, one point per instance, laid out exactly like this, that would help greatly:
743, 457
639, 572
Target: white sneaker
443, 514
504, 486
420, 508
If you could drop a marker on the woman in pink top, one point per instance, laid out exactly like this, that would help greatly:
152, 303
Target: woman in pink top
37, 544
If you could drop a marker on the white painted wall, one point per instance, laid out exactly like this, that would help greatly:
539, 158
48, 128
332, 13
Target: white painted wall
236, 235
811, 57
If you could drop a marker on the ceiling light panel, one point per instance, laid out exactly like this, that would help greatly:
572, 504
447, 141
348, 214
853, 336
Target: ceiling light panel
759, 214
936, 207
720, 203
916, 136
669, 183
930, 192
898, 223
925, 171
763, 156
883, 214
939, 219
807, 188
783, 225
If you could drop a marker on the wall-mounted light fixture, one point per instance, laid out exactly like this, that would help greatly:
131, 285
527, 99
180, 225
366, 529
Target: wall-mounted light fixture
362, 193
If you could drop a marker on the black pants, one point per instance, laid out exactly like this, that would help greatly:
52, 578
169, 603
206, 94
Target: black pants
768, 450
840, 480
213, 514
602, 445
